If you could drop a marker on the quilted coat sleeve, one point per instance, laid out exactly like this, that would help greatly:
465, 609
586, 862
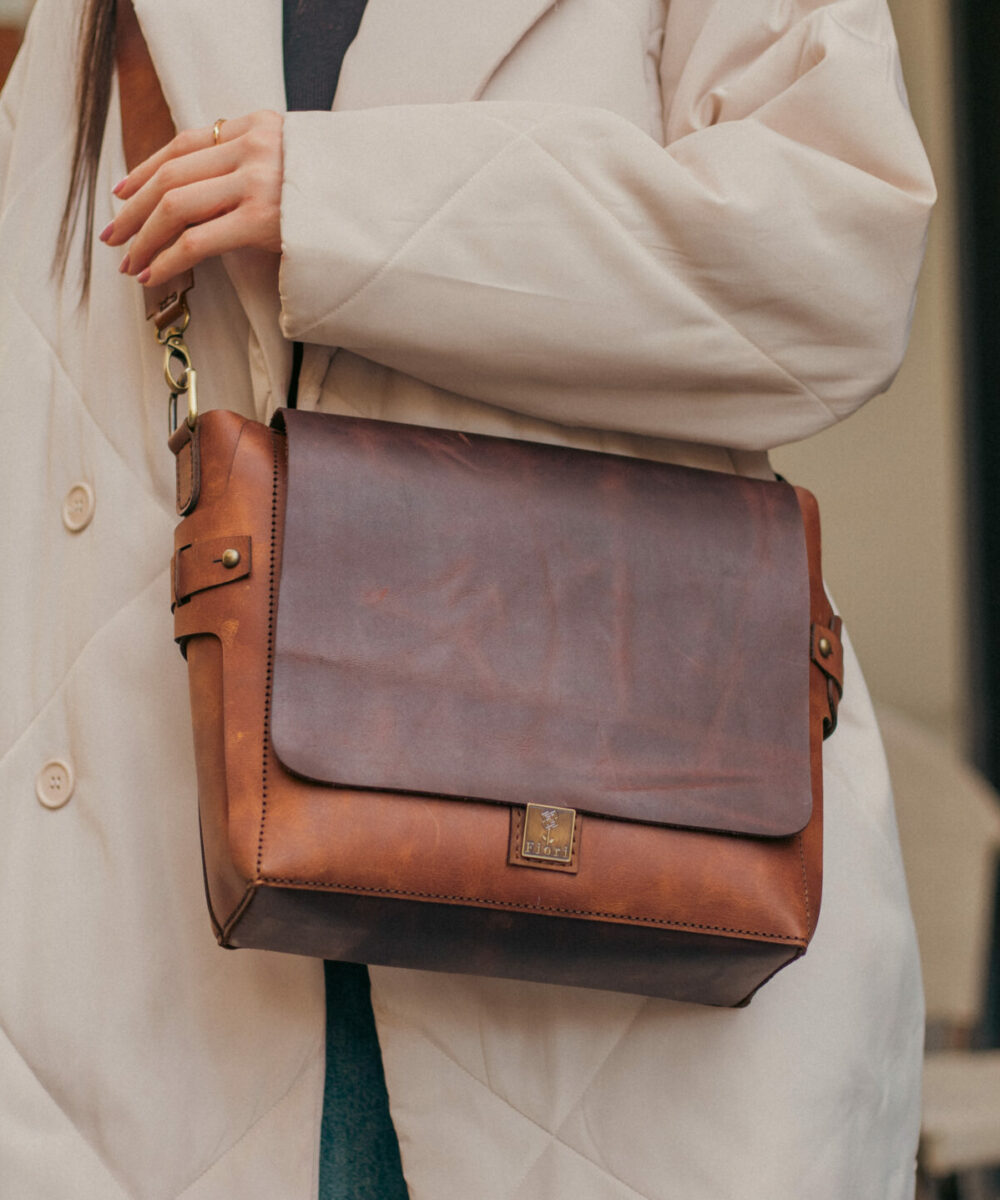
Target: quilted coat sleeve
747, 284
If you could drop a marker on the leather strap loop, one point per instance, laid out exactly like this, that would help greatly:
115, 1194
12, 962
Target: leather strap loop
186, 446
209, 564
827, 652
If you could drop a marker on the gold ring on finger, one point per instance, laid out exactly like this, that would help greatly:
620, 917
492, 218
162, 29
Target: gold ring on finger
217, 130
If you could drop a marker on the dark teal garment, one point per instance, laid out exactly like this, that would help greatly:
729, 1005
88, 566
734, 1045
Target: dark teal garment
316, 35
359, 1153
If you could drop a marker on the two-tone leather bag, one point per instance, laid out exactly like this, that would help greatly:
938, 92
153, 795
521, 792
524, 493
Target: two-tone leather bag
479, 705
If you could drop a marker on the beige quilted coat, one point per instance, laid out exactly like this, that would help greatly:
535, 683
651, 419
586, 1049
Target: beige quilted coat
682, 228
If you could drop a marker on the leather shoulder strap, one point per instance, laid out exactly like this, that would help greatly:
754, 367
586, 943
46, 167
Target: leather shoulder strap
146, 126
146, 121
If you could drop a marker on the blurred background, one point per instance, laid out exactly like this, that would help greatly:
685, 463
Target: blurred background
910, 499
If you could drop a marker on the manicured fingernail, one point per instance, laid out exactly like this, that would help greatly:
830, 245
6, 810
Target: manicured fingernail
123, 265
143, 276
106, 233
116, 190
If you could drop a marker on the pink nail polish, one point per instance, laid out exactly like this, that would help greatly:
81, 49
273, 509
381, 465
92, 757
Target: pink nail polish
116, 190
106, 233
124, 265
143, 276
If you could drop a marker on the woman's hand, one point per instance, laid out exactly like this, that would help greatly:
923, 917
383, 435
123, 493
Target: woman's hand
195, 198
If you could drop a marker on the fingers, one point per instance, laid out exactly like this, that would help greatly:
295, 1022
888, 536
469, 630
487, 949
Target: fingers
227, 232
172, 175
198, 222
178, 203
180, 207
189, 141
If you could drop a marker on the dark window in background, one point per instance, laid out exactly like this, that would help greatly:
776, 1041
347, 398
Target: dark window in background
976, 31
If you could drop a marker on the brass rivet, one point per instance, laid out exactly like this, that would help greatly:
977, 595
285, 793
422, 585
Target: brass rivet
231, 558
825, 648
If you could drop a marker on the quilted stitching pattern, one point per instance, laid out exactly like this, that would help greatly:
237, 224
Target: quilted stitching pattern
145, 1073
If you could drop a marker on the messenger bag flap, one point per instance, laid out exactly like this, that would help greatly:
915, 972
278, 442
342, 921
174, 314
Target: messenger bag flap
484, 618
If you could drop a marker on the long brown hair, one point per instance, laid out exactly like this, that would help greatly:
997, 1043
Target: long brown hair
94, 71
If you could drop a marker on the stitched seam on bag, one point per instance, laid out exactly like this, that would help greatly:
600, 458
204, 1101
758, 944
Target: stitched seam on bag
805, 882
238, 912
265, 740
790, 938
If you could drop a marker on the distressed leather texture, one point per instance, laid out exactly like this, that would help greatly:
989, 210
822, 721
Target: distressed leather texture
481, 617
360, 869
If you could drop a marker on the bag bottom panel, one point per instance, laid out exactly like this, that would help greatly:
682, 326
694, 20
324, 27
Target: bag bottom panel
675, 965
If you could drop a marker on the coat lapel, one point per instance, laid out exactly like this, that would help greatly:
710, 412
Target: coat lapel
223, 58
431, 51
215, 57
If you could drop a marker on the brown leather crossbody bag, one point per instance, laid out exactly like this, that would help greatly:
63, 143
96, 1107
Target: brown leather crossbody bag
479, 705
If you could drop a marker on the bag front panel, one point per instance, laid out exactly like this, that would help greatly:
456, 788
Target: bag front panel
439, 853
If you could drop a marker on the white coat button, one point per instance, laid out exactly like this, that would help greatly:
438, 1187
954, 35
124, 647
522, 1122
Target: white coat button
54, 784
78, 507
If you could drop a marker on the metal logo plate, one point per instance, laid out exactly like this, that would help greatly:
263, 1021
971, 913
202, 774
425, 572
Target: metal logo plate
548, 833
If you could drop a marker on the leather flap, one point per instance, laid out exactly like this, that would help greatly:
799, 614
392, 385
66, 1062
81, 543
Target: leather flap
478, 617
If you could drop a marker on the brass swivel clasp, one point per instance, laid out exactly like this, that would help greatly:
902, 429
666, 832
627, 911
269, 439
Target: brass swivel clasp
181, 377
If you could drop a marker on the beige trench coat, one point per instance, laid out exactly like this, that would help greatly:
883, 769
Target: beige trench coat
489, 229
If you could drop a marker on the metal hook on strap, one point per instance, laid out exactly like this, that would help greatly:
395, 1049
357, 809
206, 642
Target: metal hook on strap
182, 382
